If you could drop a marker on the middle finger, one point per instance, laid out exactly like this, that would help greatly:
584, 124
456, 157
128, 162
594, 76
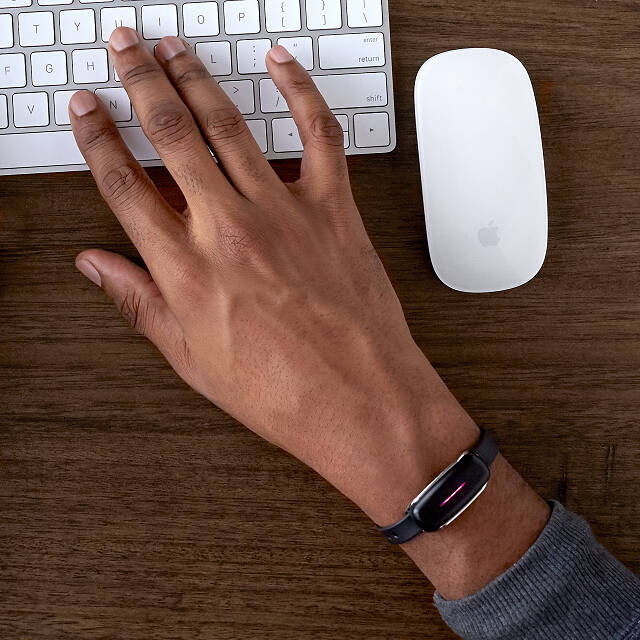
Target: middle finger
220, 121
167, 121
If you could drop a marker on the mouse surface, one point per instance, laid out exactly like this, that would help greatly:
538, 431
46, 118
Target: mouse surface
482, 167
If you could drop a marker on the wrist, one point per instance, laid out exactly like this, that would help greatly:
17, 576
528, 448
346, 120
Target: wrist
398, 444
416, 452
493, 534
391, 452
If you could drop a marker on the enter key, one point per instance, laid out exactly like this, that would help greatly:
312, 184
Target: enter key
351, 50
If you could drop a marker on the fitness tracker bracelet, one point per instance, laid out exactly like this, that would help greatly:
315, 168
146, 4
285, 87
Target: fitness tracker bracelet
446, 497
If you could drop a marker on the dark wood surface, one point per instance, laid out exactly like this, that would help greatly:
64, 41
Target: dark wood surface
122, 492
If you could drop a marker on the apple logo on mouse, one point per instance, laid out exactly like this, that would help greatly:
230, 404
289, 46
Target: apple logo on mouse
488, 236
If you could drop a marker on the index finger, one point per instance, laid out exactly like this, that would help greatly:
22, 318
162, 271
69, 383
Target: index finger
147, 218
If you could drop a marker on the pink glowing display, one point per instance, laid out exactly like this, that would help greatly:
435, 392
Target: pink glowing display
453, 494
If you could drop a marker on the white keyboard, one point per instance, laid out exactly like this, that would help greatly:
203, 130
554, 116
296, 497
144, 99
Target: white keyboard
51, 48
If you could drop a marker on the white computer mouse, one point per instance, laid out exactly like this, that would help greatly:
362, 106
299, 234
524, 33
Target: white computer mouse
483, 180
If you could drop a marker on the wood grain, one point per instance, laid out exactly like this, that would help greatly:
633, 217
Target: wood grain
122, 492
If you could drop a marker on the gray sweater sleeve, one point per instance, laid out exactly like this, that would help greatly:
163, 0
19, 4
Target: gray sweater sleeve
566, 587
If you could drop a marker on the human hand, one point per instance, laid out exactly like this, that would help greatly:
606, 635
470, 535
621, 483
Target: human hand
267, 298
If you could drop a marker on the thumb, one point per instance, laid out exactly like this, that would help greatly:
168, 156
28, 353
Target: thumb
139, 300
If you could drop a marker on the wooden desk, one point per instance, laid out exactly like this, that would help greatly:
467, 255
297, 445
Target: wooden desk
116, 480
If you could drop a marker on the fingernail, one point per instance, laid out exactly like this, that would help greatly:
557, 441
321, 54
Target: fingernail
82, 102
89, 271
123, 38
169, 47
280, 54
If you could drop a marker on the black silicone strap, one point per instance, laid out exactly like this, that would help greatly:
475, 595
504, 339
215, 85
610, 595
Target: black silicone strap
405, 529
486, 448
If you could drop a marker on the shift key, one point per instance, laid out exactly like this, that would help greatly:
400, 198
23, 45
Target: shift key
353, 90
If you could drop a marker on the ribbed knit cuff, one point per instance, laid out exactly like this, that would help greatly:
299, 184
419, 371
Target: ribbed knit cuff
566, 587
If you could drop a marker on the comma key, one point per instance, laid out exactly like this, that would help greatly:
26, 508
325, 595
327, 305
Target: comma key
241, 94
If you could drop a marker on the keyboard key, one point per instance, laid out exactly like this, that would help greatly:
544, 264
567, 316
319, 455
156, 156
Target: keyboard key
7, 4
61, 106
301, 49
324, 14
57, 148
77, 26
353, 90
48, 68
35, 29
138, 143
6, 31
200, 19
90, 65
4, 113
49, 148
93, 1
117, 103
241, 94
12, 70
241, 16
339, 91
271, 100
251, 55
216, 56
258, 129
344, 123
31, 109
282, 15
113, 17
371, 129
351, 50
285, 135
364, 13
159, 20
46, 3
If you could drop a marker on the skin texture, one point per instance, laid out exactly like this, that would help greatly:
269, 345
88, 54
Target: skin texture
269, 299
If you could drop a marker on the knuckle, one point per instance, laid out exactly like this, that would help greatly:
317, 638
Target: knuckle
122, 185
169, 123
182, 359
301, 86
135, 311
192, 74
325, 129
141, 73
92, 136
225, 125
